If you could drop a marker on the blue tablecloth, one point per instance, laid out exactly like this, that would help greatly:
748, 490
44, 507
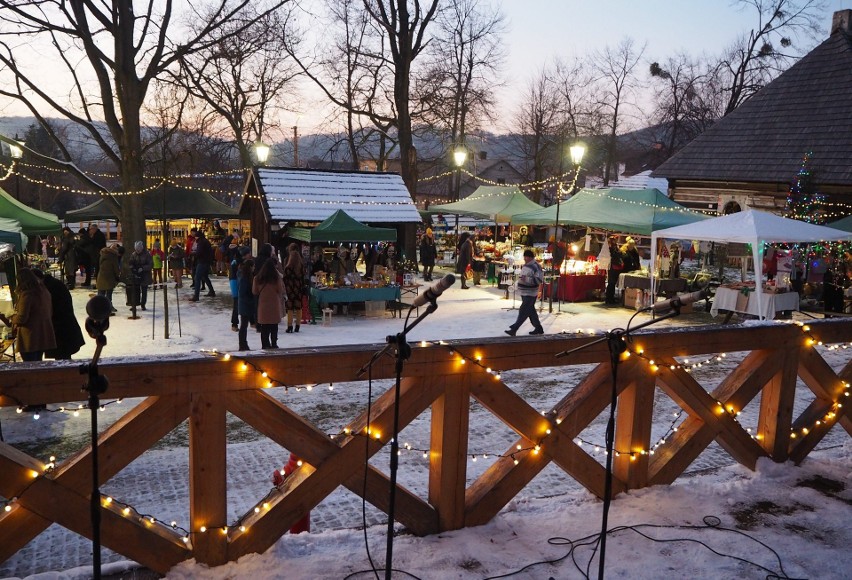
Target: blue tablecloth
335, 295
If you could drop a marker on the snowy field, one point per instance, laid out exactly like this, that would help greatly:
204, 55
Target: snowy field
796, 519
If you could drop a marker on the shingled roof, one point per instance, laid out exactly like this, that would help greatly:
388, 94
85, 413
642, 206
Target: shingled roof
808, 108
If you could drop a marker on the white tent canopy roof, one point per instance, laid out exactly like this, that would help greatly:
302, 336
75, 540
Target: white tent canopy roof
752, 226
749, 227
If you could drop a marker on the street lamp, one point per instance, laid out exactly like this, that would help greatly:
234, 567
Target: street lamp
261, 151
459, 158
17, 152
577, 151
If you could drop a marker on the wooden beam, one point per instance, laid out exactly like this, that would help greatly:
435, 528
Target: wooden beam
634, 419
448, 450
776, 407
208, 489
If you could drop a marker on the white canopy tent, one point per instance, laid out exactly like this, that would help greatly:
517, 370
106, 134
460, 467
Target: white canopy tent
749, 227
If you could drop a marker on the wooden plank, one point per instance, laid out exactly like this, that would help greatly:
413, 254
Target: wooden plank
448, 450
276, 421
578, 464
633, 429
776, 407
156, 547
58, 383
679, 451
500, 484
208, 489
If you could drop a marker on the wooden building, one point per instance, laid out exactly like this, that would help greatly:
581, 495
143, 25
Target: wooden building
750, 157
275, 199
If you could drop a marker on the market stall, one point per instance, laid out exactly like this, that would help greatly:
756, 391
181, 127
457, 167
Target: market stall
756, 228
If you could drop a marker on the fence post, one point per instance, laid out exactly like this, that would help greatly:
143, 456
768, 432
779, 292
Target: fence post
448, 451
776, 406
633, 427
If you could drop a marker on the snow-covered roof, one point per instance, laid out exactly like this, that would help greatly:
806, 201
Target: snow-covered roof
642, 180
312, 196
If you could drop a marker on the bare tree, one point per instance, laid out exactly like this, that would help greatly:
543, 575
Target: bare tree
354, 75
686, 100
616, 80
404, 23
244, 76
769, 48
537, 125
125, 52
465, 58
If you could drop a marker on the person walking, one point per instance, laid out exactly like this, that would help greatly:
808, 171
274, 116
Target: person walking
428, 254
141, 264
465, 258
203, 261
294, 286
530, 279
32, 322
109, 274
268, 287
68, 257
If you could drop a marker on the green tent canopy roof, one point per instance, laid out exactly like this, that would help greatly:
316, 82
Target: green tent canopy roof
341, 227
32, 221
500, 204
631, 211
164, 202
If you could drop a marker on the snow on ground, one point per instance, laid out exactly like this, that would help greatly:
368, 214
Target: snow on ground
802, 513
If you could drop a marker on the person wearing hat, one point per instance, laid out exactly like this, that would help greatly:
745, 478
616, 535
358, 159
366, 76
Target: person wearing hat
631, 255
428, 254
141, 265
530, 279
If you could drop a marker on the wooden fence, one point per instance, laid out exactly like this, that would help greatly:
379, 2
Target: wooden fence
441, 377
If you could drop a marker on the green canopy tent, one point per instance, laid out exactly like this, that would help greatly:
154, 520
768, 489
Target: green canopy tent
166, 202
10, 233
499, 203
844, 224
632, 211
32, 221
341, 227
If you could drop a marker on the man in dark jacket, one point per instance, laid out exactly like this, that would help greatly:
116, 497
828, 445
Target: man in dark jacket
204, 256
98, 243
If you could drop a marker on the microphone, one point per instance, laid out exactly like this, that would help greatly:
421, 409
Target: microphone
678, 301
431, 294
98, 308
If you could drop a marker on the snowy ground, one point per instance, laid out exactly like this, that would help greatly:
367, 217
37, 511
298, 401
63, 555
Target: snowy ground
801, 513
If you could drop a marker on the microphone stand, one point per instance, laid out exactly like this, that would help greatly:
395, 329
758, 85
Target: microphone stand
95, 386
403, 353
616, 341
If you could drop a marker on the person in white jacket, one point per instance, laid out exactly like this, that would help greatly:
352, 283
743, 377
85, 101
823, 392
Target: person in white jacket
529, 281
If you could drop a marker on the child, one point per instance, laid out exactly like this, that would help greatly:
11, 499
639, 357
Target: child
177, 257
158, 258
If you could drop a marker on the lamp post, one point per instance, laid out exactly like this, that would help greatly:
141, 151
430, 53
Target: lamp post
16, 152
261, 151
459, 158
577, 151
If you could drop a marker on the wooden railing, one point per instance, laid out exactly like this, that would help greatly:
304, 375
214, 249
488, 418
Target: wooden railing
204, 388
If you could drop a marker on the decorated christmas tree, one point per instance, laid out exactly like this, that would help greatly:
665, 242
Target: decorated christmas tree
804, 202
